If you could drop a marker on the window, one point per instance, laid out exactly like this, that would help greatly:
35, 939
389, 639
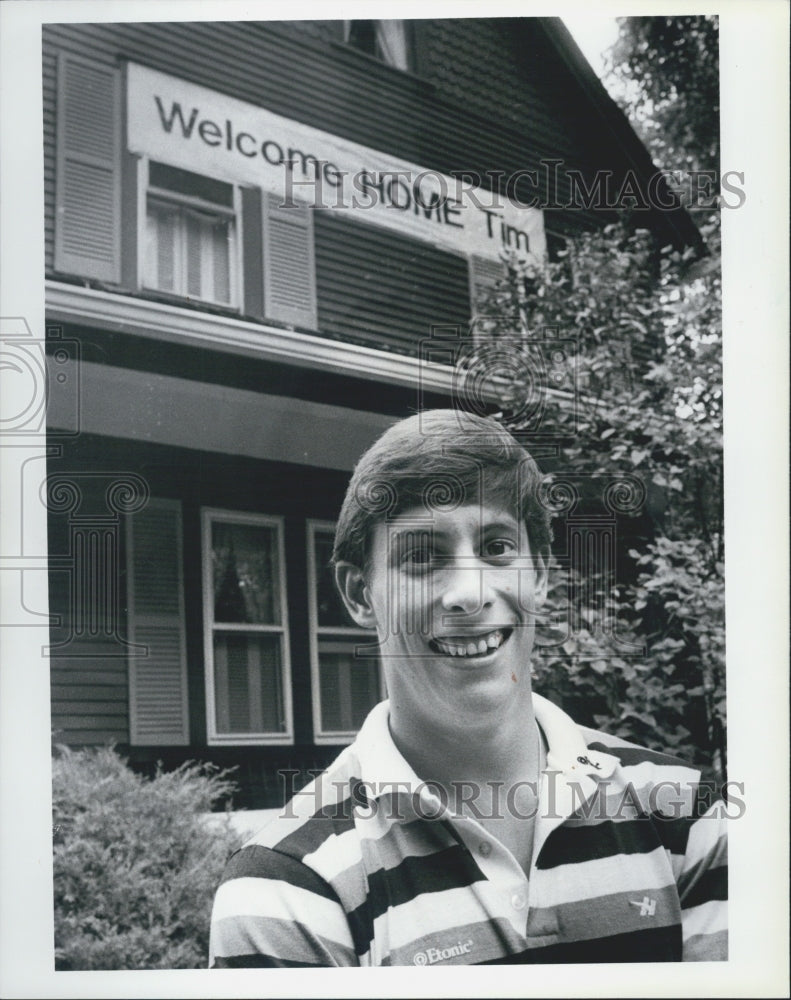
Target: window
388, 41
191, 236
248, 680
346, 686
187, 236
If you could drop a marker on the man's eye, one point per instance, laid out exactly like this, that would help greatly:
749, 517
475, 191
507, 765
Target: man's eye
498, 548
419, 556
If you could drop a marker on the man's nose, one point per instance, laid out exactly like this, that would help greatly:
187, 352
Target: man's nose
465, 588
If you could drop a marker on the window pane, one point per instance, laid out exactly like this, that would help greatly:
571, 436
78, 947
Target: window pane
161, 262
194, 256
189, 249
386, 40
349, 685
246, 574
221, 254
186, 182
391, 43
152, 242
362, 35
248, 683
331, 610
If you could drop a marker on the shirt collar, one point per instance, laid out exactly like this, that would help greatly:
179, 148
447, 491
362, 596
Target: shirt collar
385, 770
567, 750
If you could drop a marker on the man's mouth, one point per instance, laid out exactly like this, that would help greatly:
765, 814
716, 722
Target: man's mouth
471, 645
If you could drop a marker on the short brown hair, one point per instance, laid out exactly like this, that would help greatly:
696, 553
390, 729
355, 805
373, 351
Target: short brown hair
439, 458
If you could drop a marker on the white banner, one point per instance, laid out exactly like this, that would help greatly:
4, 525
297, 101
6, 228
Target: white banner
195, 128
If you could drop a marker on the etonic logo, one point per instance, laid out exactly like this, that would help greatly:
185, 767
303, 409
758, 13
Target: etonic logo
433, 955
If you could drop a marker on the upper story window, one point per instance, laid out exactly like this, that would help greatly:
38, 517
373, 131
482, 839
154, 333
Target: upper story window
386, 40
201, 239
191, 245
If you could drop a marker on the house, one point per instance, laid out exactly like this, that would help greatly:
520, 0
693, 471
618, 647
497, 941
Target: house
263, 241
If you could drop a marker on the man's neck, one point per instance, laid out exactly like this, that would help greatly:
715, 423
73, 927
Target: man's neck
507, 750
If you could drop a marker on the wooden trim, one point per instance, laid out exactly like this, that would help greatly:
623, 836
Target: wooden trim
97, 309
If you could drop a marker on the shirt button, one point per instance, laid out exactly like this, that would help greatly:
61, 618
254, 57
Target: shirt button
485, 848
518, 901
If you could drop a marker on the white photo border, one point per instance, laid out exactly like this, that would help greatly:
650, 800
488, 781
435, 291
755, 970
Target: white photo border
755, 99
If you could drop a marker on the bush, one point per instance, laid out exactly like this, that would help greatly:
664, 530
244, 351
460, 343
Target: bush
135, 864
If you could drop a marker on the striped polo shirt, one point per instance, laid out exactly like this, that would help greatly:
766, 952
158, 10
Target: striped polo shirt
367, 865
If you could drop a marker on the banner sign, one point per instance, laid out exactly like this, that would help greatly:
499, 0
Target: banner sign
192, 127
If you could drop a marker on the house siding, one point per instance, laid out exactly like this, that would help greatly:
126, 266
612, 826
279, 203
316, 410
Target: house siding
490, 96
454, 119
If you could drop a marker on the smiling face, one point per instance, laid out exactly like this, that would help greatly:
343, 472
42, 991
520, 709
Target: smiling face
452, 596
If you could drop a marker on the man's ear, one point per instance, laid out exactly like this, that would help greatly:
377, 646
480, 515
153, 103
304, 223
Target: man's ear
351, 586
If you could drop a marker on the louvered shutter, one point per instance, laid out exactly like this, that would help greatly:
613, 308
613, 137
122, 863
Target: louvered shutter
252, 253
158, 708
289, 263
88, 189
484, 276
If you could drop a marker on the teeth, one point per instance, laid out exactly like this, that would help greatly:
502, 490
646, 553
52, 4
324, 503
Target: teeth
475, 647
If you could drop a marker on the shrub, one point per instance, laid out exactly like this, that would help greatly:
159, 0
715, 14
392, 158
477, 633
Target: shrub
135, 864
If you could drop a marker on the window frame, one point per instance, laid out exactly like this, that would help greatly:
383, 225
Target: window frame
323, 737
213, 738
194, 203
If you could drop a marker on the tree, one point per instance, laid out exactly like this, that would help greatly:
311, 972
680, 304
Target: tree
666, 70
647, 416
640, 647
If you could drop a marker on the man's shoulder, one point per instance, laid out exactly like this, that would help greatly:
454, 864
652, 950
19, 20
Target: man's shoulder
672, 785
318, 826
315, 816
633, 755
279, 898
567, 739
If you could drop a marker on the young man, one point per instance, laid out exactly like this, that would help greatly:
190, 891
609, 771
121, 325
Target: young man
471, 821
